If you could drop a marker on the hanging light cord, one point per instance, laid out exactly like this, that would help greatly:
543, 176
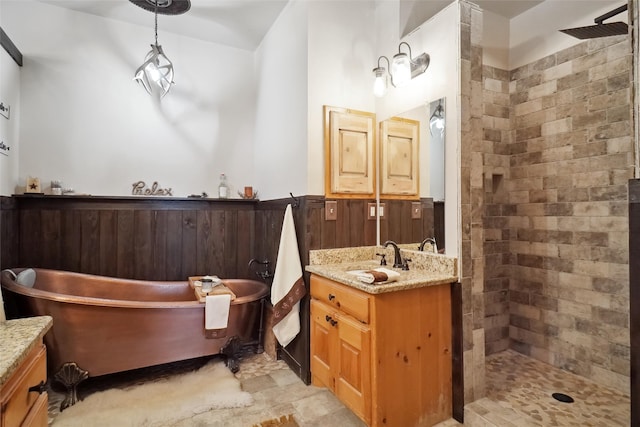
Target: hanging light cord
156, 13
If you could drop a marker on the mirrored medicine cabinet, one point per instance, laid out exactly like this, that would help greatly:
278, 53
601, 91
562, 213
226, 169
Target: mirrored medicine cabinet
430, 118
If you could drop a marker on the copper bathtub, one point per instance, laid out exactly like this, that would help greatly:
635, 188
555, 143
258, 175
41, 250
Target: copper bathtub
106, 325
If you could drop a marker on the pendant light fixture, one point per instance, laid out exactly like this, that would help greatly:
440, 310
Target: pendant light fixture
156, 72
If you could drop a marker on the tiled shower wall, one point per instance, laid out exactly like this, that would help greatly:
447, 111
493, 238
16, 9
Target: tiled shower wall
497, 136
471, 201
571, 156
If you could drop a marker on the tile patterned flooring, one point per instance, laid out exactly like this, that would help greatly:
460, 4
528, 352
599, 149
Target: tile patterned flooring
276, 391
518, 394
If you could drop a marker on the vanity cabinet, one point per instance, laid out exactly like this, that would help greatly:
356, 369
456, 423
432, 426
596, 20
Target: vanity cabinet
386, 356
20, 406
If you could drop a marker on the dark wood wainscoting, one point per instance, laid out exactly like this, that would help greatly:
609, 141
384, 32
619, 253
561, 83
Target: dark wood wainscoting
171, 239
398, 225
157, 239
9, 236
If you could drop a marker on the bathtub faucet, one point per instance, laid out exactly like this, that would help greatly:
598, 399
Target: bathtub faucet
431, 240
264, 274
397, 258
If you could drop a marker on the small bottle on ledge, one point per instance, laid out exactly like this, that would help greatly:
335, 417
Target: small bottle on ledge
223, 187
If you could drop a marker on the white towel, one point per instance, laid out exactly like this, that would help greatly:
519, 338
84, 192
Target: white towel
216, 311
288, 287
378, 275
3, 317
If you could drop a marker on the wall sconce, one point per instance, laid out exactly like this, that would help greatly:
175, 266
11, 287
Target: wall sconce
403, 68
380, 82
436, 121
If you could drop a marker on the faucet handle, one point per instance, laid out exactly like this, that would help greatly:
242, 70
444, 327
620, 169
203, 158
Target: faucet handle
383, 260
405, 264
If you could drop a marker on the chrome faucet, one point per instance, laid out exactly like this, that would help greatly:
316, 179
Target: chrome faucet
431, 240
397, 258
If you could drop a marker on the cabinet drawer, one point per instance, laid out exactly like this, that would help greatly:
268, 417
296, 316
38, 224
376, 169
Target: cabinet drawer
17, 400
348, 300
39, 415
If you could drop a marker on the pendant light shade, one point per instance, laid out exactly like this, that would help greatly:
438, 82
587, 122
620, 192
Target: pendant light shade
380, 83
401, 69
156, 72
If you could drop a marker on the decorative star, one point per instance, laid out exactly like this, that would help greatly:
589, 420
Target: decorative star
33, 186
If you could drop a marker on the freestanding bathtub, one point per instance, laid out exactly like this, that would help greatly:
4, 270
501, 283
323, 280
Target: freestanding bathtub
103, 325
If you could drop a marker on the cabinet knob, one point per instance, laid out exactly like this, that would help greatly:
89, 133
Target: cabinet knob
39, 388
330, 320
331, 297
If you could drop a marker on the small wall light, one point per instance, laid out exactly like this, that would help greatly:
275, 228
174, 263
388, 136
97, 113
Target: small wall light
436, 121
380, 82
403, 68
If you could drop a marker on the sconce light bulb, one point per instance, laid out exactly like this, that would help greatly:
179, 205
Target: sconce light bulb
380, 82
401, 69
436, 126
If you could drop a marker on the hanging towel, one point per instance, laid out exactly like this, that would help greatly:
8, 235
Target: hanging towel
216, 315
288, 286
3, 317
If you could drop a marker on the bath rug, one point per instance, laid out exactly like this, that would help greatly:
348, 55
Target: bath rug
161, 402
283, 421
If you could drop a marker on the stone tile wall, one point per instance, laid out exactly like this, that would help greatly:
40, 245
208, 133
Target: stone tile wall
471, 200
571, 157
497, 135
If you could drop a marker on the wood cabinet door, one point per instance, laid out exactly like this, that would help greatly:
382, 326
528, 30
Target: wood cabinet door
353, 376
323, 336
399, 157
349, 153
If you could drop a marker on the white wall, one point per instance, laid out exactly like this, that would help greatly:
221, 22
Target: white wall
317, 53
280, 156
9, 95
341, 57
439, 37
88, 124
535, 33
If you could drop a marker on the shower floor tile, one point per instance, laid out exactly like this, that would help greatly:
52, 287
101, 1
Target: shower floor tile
519, 392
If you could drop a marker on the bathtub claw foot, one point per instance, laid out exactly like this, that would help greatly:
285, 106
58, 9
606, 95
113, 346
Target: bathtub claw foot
232, 350
70, 375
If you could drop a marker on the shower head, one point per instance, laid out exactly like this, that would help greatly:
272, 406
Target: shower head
601, 29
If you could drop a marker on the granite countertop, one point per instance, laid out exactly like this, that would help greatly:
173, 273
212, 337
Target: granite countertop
425, 269
18, 338
408, 279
